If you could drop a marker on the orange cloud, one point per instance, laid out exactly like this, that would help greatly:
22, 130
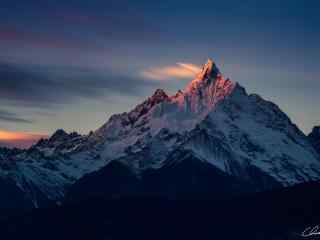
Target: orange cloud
19, 139
180, 70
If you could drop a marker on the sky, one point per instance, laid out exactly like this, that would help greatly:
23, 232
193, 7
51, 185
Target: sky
72, 64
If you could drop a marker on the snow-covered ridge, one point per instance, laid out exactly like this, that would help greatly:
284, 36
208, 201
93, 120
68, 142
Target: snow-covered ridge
59, 143
178, 113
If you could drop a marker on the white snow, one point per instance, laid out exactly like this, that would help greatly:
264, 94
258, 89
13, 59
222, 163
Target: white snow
231, 121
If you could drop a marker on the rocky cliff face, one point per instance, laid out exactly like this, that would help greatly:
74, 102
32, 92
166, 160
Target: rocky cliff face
314, 138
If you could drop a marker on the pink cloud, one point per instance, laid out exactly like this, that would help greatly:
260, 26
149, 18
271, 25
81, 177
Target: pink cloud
179, 71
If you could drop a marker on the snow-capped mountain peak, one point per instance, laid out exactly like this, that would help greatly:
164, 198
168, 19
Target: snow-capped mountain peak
207, 89
213, 118
209, 70
209, 73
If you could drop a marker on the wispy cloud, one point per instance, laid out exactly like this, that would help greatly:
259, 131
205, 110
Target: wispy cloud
12, 117
19, 139
46, 87
179, 71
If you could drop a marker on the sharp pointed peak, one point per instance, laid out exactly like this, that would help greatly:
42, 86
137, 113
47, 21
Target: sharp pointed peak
158, 96
210, 69
208, 74
59, 132
160, 93
315, 130
210, 62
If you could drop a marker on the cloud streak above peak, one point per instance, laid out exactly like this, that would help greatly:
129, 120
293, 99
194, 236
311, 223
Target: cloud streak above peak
177, 71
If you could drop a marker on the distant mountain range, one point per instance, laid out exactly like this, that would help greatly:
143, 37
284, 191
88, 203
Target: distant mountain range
211, 139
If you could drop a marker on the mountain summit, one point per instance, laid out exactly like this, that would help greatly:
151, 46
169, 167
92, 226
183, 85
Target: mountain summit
208, 73
207, 89
212, 124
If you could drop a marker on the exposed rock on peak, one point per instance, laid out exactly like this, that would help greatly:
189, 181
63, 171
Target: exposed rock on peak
207, 89
160, 94
59, 142
315, 131
57, 137
142, 109
209, 73
314, 138
60, 134
210, 70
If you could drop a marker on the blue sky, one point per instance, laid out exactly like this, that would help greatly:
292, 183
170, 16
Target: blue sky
71, 64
